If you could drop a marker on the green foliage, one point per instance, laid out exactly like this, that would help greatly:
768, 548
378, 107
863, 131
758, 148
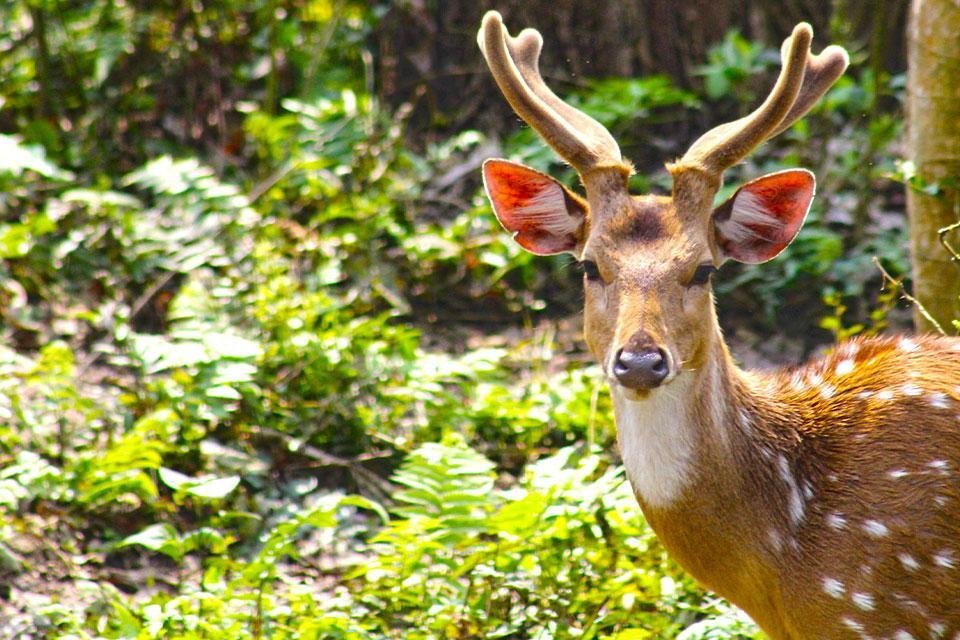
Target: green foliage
233, 299
835, 322
560, 554
733, 66
555, 556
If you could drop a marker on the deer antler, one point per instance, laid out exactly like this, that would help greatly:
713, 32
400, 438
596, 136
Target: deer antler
575, 136
803, 79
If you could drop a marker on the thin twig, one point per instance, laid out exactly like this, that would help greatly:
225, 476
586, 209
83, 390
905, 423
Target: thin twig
942, 235
147, 295
898, 284
365, 478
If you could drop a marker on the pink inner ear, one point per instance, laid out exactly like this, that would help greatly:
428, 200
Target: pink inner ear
765, 215
534, 207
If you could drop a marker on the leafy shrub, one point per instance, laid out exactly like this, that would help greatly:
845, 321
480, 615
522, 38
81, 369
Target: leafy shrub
562, 553
556, 556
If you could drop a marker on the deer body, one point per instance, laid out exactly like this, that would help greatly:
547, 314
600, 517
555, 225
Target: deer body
821, 500
824, 500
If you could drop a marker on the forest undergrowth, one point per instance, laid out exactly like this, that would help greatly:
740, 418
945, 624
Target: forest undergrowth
269, 369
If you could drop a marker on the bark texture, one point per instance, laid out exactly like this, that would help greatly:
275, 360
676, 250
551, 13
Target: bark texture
933, 106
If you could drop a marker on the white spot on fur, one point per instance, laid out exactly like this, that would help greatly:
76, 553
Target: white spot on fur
836, 521
865, 395
938, 400
911, 390
848, 349
833, 587
908, 345
852, 624
907, 603
776, 540
794, 500
937, 629
940, 465
797, 382
898, 473
886, 394
903, 635
656, 438
945, 559
845, 366
827, 390
908, 561
807, 491
815, 379
875, 528
863, 600
941, 500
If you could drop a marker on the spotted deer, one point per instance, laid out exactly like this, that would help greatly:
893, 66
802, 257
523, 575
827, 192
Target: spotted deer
824, 500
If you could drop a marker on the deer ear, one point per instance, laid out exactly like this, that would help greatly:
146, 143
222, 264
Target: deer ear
764, 215
544, 216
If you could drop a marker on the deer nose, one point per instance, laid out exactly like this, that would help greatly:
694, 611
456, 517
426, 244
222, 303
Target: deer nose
642, 369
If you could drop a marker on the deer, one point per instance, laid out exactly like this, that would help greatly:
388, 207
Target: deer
822, 499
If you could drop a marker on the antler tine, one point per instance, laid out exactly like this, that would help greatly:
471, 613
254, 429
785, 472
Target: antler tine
514, 63
821, 72
725, 145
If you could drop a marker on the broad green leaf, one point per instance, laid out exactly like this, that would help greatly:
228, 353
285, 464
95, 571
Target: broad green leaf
161, 538
173, 479
213, 488
16, 157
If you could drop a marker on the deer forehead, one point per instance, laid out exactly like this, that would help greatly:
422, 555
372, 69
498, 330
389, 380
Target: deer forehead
644, 231
635, 220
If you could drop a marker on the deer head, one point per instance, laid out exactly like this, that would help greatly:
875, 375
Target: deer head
647, 260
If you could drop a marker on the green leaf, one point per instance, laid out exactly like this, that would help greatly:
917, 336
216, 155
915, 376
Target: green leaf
520, 516
15, 240
173, 479
210, 487
16, 157
161, 538
206, 539
223, 392
213, 488
231, 345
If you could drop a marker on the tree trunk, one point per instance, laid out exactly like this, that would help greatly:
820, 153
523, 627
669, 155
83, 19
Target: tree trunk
933, 201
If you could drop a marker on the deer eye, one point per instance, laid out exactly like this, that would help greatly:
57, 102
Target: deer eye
590, 270
702, 274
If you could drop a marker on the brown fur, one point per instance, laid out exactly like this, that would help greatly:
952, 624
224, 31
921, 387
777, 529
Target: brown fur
881, 451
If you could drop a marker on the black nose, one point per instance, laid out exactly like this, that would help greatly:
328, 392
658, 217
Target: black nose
644, 369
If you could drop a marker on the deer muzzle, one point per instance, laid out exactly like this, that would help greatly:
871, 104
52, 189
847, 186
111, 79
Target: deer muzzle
641, 364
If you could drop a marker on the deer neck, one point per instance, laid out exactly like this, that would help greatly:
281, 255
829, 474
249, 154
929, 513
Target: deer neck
709, 457
669, 437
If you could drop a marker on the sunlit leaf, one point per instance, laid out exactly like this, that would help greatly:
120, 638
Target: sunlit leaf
16, 157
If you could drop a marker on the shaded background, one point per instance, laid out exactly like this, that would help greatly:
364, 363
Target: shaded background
427, 52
